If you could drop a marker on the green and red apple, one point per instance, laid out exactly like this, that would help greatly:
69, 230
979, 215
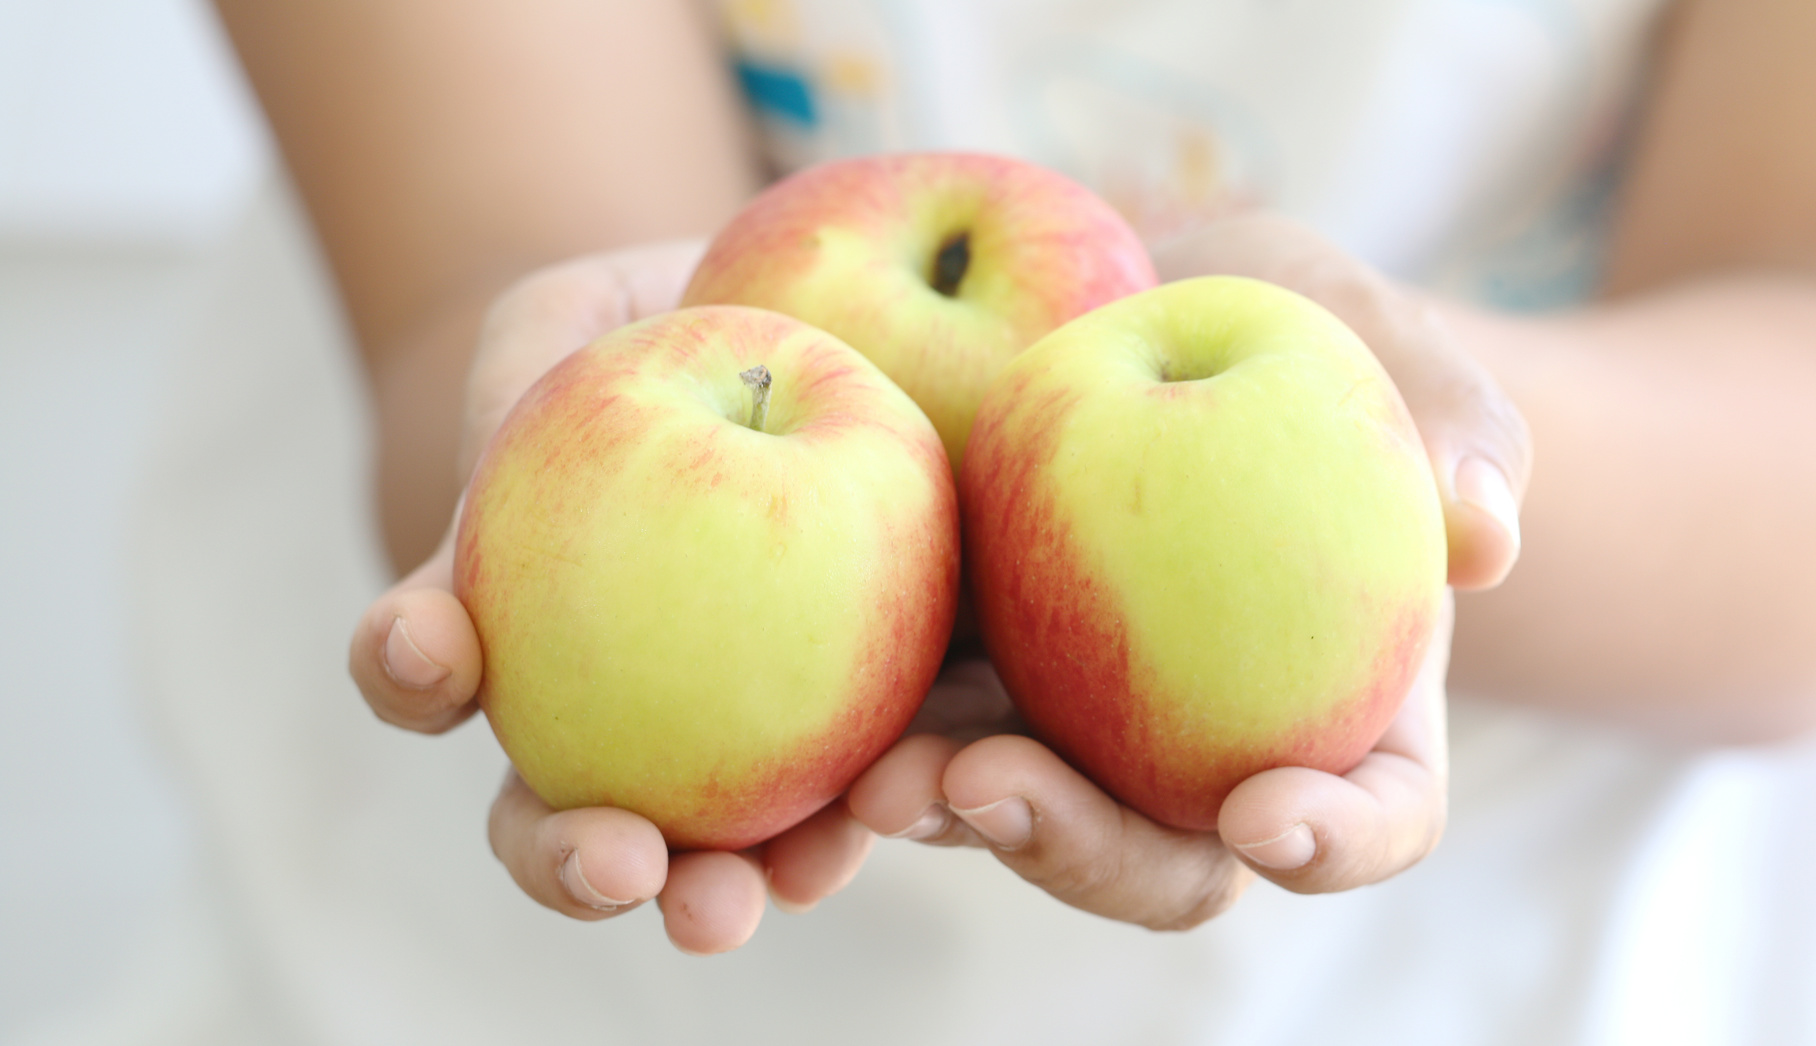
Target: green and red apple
940, 267
1204, 542
709, 611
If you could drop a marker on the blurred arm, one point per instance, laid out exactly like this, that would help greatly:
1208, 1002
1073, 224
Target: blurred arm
1667, 570
446, 147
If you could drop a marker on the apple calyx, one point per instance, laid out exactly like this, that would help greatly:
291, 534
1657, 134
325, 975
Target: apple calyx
951, 264
758, 379
1187, 371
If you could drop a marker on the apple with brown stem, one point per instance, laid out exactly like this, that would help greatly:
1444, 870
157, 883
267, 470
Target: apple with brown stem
713, 563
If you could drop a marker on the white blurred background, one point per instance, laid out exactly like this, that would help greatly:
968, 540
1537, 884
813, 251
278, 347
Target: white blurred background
127, 145
128, 149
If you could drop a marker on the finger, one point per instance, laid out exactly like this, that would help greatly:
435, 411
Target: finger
1314, 832
655, 276
816, 858
415, 655
1478, 443
590, 863
1481, 499
900, 797
545, 316
713, 901
1062, 833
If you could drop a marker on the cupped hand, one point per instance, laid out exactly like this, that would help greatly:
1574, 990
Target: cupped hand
1306, 830
416, 658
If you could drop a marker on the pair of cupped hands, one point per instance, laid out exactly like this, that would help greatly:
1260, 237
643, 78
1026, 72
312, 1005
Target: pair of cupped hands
965, 774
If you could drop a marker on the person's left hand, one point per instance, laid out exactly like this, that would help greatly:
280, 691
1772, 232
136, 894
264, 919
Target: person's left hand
1306, 830
418, 661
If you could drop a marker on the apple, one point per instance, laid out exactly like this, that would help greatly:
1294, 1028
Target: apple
940, 267
709, 610
1204, 541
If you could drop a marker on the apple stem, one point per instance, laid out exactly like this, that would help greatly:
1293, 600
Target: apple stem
758, 379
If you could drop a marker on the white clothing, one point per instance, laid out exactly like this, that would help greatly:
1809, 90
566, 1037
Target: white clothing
1592, 889
1464, 143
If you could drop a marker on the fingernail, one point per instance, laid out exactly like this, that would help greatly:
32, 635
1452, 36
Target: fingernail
1293, 848
1482, 486
574, 881
1006, 823
932, 822
405, 662
790, 907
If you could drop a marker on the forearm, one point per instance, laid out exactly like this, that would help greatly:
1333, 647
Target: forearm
1666, 572
445, 148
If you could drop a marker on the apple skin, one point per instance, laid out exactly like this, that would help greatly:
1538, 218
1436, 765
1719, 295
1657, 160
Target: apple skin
1186, 582
853, 248
714, 627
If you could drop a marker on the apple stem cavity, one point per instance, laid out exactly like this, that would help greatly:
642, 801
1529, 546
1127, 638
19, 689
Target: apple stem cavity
951, 263
758, 379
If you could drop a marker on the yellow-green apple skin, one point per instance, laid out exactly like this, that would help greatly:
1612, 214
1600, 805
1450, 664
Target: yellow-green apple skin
1204, 541
713, 626
855, 248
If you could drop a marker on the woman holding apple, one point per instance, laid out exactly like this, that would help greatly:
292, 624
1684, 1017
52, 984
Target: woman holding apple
457, 157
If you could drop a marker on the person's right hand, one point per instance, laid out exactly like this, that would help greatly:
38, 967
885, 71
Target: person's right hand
976, 780
416, 658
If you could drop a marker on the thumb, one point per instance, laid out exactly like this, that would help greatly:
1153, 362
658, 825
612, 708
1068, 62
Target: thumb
1481, 457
